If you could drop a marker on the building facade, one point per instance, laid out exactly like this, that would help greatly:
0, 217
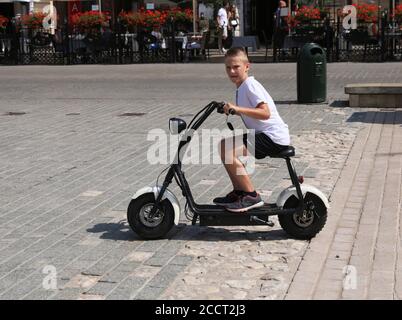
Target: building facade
11, 8
255, 15
258, 15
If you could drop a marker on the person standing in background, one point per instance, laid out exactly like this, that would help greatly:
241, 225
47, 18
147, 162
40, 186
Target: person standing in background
234, 20
222, 22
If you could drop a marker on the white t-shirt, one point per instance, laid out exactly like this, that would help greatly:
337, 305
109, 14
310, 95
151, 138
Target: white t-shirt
249, 95
222, 17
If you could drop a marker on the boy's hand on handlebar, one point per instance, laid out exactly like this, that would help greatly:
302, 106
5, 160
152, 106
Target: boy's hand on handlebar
229, 106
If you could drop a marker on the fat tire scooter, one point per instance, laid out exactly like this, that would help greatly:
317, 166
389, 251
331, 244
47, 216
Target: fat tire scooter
152, 212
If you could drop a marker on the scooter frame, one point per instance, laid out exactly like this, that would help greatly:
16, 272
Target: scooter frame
214, 215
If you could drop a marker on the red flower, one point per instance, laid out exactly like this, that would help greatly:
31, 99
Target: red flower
33, 20
365, 12
3, 22
398, 13
89, 19
305, 14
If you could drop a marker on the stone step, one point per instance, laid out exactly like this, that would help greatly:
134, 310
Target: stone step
377, 95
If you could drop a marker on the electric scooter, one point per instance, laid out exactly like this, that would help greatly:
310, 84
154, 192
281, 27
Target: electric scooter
152, 212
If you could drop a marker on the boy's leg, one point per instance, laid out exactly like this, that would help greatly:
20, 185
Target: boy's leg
249, 199
230, 150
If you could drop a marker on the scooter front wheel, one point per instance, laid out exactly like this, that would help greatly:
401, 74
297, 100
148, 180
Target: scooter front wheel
147, 226
304, 225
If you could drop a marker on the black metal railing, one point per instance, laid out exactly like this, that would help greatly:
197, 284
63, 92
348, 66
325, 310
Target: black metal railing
376, 42
64, 46
380, 41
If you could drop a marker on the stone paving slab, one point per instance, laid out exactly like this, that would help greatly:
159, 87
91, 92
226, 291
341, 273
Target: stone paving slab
72, 159
359, 257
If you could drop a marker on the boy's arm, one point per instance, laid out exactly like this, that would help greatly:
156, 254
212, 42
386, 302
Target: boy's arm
260, 112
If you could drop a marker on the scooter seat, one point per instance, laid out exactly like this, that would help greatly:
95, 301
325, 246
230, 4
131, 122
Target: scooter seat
286, 153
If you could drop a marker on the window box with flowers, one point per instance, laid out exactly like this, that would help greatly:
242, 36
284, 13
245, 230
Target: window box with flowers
367, 18
366, 13
181, 17
306, 14
307, 21
90, 23
153, 19
34, 23
398, 15
33, 20
3, 23
131, 20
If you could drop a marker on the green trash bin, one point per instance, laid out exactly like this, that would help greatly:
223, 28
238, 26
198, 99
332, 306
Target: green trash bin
311, 74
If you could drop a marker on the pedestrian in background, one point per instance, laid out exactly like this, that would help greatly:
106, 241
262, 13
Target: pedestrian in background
222, 22
234, 20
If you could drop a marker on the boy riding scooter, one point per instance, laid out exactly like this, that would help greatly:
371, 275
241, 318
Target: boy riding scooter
301, 208
268, 133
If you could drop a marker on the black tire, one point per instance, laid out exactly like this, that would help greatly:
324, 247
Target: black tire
150, 228
307, 226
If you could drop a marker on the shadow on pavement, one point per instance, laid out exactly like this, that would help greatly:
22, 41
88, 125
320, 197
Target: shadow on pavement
339, 104
122, 232
222, 234
114, 231
382, 116
286, 102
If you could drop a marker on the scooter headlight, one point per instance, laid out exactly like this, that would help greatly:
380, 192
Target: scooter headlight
176, 125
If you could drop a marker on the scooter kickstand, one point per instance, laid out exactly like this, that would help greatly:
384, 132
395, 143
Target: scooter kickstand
256, 219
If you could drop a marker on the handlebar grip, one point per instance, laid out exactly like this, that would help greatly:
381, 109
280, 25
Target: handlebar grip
232, 111
220, 106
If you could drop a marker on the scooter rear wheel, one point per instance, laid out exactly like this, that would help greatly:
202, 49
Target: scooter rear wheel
143, 224
307, 224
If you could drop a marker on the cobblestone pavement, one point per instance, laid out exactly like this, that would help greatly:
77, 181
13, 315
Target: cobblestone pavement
359, 255
72, 156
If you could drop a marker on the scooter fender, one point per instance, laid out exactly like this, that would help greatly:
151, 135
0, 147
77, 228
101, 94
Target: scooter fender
167, 195
305, 188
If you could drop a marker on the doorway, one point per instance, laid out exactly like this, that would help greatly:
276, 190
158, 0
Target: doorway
262, 18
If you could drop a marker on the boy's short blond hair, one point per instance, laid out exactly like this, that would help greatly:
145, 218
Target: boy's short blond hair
237, 52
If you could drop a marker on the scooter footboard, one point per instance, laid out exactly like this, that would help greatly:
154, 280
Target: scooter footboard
305, 188
232, 220
167, 195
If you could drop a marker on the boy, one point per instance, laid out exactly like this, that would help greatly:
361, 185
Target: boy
269, 134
